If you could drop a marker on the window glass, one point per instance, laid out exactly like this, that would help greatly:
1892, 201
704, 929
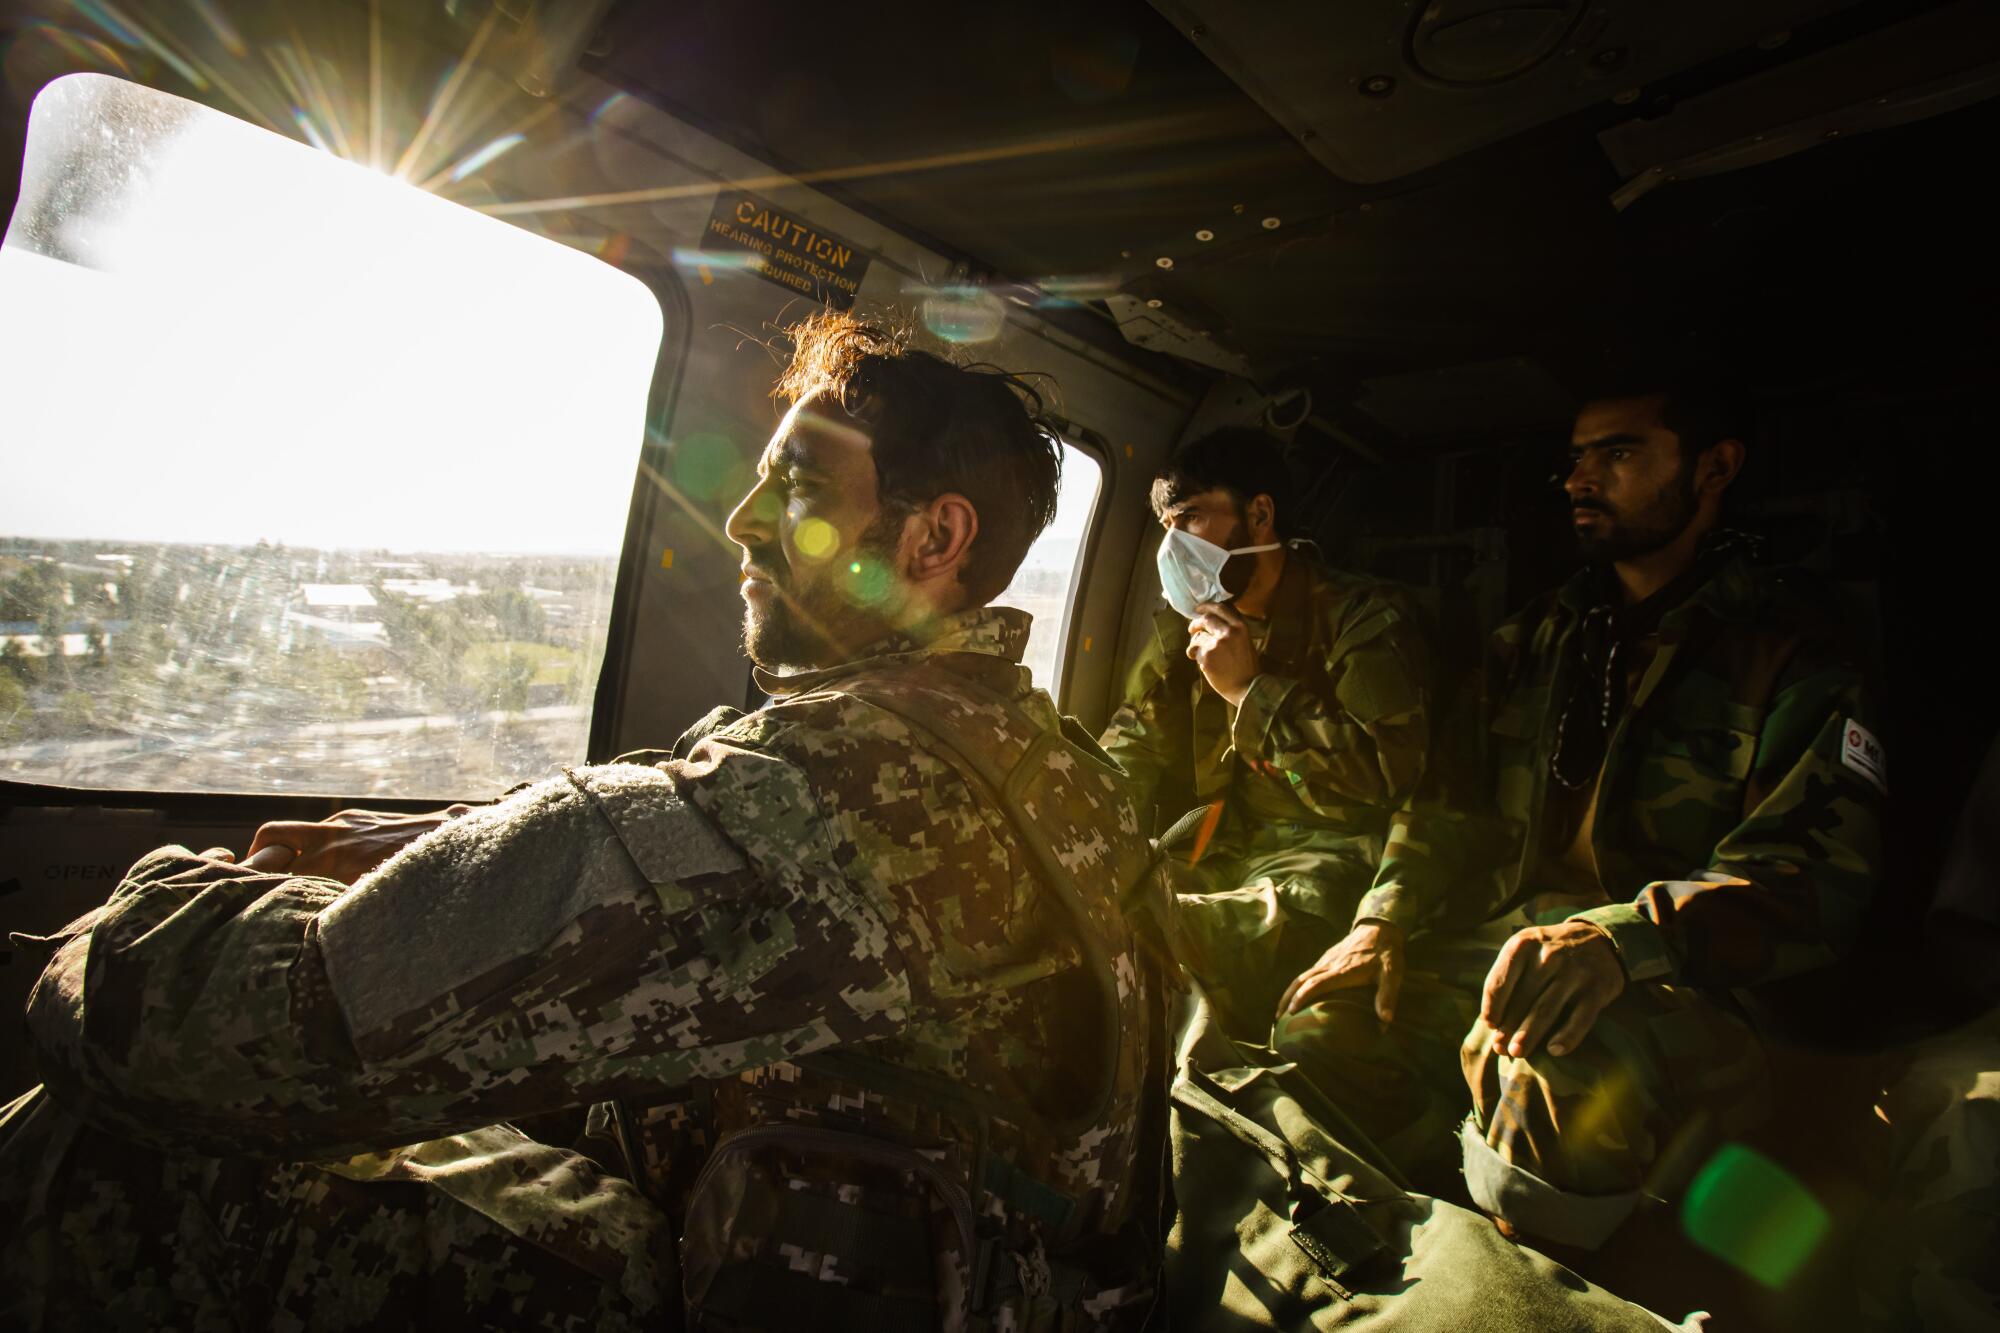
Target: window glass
1047, 578
314, 481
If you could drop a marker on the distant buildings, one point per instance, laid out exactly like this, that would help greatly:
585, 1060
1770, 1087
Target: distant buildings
26, 637
342, 614
432, 590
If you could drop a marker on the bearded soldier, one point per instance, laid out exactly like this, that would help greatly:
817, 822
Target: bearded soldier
864, 1044
1670, 795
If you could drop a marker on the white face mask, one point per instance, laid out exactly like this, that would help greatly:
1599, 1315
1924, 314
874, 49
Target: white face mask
1191, 569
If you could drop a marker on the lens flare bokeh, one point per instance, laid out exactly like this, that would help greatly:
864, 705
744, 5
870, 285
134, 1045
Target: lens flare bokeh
1754, 1215
964, 314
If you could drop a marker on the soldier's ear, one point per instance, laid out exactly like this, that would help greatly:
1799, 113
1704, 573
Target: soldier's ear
1717, 467
939, 537
1262, 515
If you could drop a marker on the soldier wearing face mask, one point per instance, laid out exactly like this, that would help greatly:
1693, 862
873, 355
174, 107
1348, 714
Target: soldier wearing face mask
1277, 717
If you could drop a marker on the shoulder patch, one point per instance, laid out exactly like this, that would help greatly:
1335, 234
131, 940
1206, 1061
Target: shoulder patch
1860, 751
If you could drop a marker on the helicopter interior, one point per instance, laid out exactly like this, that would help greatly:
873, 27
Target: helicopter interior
1402, 238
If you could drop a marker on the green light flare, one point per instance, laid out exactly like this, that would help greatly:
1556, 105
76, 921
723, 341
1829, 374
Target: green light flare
1754, 1215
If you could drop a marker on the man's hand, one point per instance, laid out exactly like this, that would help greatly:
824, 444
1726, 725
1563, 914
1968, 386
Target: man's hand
272, 857
1541, 974
1372, 951
345, 846
1220, 644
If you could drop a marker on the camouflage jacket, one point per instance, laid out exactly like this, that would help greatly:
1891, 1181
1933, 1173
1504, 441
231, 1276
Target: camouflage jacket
702, 940
1333, 733
1739, 808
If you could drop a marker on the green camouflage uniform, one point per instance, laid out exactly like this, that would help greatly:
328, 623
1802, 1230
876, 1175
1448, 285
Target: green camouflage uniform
1933, 1233
1738, 804
1932, 1256
1331, 737
703, 941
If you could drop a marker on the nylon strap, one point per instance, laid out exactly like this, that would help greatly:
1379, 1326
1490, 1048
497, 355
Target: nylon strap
1004, 784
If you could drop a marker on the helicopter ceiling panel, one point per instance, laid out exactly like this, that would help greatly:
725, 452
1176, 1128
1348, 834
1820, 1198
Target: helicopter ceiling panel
1376, 92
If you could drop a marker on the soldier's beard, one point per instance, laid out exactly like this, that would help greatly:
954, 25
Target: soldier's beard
817, 623
1646, 529
1237, 570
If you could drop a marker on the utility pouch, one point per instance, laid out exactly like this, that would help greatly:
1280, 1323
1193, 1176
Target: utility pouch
799, 1226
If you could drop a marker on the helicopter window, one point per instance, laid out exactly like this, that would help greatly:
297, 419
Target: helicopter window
1046, 582
315, 481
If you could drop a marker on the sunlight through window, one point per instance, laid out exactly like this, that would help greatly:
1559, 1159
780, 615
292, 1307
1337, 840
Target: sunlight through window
314, 481
1046, 581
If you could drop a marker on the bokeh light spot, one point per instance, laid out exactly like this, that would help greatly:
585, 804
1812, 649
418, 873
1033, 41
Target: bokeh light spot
705, 466
816, 539
1754, 1215
868, 582
964, 314
715, 260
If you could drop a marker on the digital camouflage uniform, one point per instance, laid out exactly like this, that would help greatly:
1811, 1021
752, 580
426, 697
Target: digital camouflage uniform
697, 940
1332, 735
1732, 838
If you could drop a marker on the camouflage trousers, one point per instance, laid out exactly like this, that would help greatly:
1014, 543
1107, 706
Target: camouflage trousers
100, 1233
1559, 1146
1934, 1244
1251, 917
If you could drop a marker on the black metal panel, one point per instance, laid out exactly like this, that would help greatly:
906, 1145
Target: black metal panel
1376, 92
1034, 139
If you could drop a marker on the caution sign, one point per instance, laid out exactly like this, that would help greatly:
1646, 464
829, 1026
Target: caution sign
782, 246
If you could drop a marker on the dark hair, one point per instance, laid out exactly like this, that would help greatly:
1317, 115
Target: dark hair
1699, 410
935, 427
1239, 459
